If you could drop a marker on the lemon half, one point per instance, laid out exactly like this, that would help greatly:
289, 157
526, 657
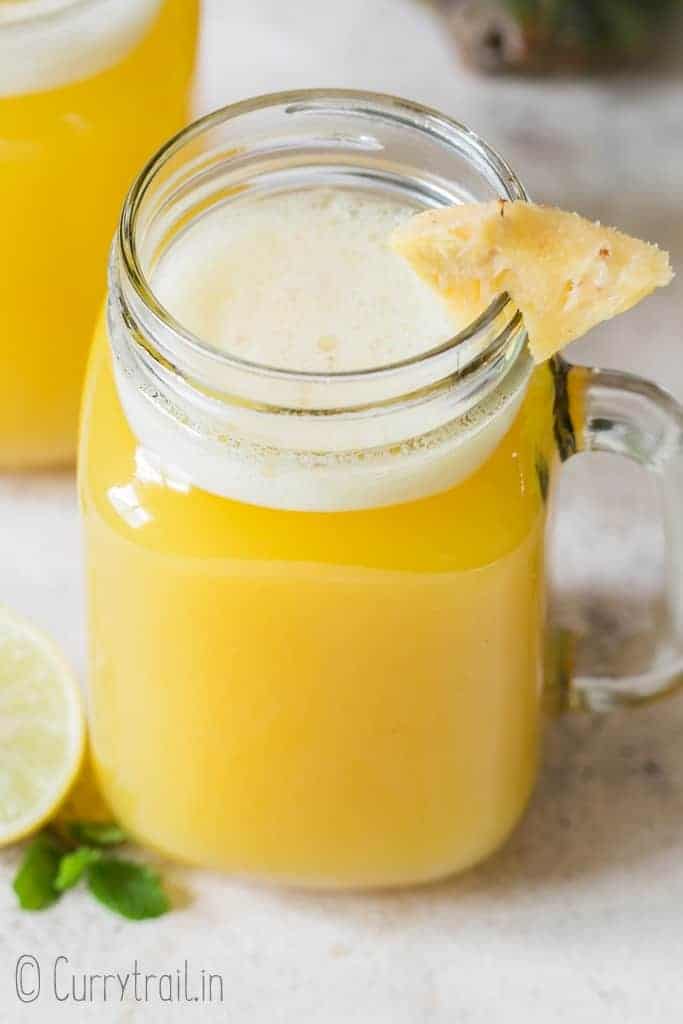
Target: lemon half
42, 728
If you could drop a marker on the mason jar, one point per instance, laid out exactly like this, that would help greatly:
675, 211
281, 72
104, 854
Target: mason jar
88, 90
318, 643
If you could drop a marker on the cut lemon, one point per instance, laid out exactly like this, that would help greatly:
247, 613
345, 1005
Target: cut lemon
564, 273
42, 730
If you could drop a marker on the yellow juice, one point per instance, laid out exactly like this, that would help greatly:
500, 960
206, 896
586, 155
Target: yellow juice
340, 698
74, 129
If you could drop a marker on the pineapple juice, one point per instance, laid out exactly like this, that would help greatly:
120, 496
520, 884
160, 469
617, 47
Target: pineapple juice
324, 673
87, 91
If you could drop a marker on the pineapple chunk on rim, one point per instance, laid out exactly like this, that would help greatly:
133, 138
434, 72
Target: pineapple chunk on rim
564, 273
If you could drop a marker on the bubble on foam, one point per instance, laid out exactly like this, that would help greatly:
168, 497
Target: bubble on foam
45, 44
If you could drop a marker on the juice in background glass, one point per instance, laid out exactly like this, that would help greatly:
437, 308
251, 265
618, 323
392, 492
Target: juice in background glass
88, 90
314, 514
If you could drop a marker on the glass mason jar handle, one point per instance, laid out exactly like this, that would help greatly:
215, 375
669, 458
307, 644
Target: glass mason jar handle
607, 411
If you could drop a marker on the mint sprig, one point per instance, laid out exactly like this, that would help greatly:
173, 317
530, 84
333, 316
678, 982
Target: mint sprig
73, 866
97, 833
130, 889
34, 882
51, 865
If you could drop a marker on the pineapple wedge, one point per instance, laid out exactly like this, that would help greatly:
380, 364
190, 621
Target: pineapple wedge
564, 273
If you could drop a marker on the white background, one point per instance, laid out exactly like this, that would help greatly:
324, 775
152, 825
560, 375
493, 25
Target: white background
579, 917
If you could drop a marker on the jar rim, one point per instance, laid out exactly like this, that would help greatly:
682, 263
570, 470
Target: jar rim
401, 112
25, 12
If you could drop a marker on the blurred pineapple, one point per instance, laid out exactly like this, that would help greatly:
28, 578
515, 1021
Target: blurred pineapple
545, 35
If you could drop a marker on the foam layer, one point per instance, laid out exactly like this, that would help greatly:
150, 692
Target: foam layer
181, 458
45, 44
307, 281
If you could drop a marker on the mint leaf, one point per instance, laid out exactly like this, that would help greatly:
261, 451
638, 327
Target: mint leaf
51, 865
98, 833
130, 889
34, 883
73, 866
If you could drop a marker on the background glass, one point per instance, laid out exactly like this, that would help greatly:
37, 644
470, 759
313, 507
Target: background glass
88, 89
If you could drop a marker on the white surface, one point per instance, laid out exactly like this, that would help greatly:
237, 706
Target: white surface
579, 917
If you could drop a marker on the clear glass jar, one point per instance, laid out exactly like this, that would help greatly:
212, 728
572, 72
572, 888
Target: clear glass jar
88, 90
316, 601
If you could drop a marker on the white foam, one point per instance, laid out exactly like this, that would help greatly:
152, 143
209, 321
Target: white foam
45, 44
307, 281
265, 476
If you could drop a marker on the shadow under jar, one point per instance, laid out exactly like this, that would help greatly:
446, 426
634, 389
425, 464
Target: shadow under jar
316, 599
88, 90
